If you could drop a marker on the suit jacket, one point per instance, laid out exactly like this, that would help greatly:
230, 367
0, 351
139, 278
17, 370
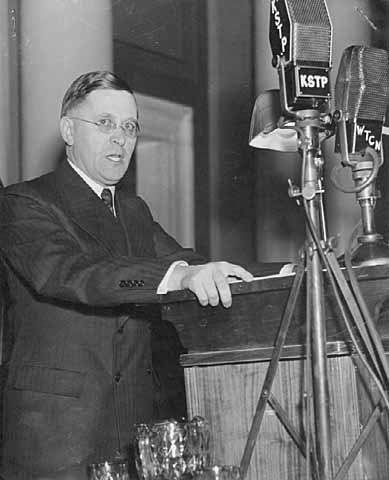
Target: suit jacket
79, 282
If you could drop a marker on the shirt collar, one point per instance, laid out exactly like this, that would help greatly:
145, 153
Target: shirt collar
96, 187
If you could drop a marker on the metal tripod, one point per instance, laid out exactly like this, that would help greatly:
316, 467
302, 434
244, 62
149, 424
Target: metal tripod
319, 255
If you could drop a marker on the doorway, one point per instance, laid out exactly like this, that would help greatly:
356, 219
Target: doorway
164, 165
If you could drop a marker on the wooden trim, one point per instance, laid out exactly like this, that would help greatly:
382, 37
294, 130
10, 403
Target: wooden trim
289, 352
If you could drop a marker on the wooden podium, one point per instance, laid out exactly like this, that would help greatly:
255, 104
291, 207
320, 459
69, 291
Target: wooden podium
227, 360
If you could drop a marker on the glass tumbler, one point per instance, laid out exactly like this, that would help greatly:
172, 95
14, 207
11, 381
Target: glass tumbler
112, 470
220, 472
198, 440
171, 450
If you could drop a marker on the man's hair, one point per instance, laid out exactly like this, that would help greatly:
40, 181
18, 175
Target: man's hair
87, 83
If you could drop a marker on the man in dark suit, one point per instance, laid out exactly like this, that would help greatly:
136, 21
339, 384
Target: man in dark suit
80, 271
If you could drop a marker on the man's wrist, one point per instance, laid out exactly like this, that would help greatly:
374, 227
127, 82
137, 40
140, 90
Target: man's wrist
173, 277
176, 277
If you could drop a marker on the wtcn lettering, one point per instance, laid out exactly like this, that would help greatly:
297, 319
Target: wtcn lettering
370, 138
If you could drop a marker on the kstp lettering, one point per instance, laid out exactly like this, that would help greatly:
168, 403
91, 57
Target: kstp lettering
279, 25
313, 81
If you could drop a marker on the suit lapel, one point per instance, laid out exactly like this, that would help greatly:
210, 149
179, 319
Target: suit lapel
88, 211
123, 219
137, 223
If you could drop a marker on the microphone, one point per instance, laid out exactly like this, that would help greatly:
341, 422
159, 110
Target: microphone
301, 40
361, 98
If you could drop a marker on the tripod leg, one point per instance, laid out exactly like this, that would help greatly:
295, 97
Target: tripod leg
271, 371
358, 444
281, 414
370, 326
365, 326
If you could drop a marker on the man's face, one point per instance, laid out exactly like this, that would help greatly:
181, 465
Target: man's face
103, 157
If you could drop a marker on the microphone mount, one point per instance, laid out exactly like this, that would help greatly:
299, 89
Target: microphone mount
302, 87
364, 165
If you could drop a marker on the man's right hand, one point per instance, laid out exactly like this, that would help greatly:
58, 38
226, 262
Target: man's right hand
209, 282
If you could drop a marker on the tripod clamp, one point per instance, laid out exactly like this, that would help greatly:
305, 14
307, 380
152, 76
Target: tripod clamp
308, 192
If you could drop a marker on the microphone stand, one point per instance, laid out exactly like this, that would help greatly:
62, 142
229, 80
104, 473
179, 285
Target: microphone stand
308, 127
312, 128
372, 249
310, 134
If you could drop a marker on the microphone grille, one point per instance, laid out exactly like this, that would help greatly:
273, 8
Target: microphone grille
362, 83
312, 31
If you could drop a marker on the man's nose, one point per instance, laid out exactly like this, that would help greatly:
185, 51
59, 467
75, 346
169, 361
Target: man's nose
118, 136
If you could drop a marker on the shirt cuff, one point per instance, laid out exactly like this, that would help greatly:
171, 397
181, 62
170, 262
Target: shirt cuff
163, 286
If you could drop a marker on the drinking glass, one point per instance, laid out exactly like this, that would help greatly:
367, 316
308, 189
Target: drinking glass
220, 472
113, 470
171, 450
198, 439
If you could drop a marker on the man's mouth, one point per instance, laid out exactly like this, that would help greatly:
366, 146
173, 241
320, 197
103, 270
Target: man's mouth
115, 157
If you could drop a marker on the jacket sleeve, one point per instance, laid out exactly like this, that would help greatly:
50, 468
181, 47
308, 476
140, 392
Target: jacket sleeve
39, 245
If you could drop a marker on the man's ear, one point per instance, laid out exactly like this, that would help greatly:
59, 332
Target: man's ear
66, 129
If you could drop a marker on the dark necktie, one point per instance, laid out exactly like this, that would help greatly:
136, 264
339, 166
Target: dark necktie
106, 197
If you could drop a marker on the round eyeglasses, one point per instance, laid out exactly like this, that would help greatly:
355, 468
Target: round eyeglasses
130, 128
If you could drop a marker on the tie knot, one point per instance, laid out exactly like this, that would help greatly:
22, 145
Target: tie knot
106, 197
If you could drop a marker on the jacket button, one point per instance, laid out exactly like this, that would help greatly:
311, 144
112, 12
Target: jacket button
148, 371
117, 377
